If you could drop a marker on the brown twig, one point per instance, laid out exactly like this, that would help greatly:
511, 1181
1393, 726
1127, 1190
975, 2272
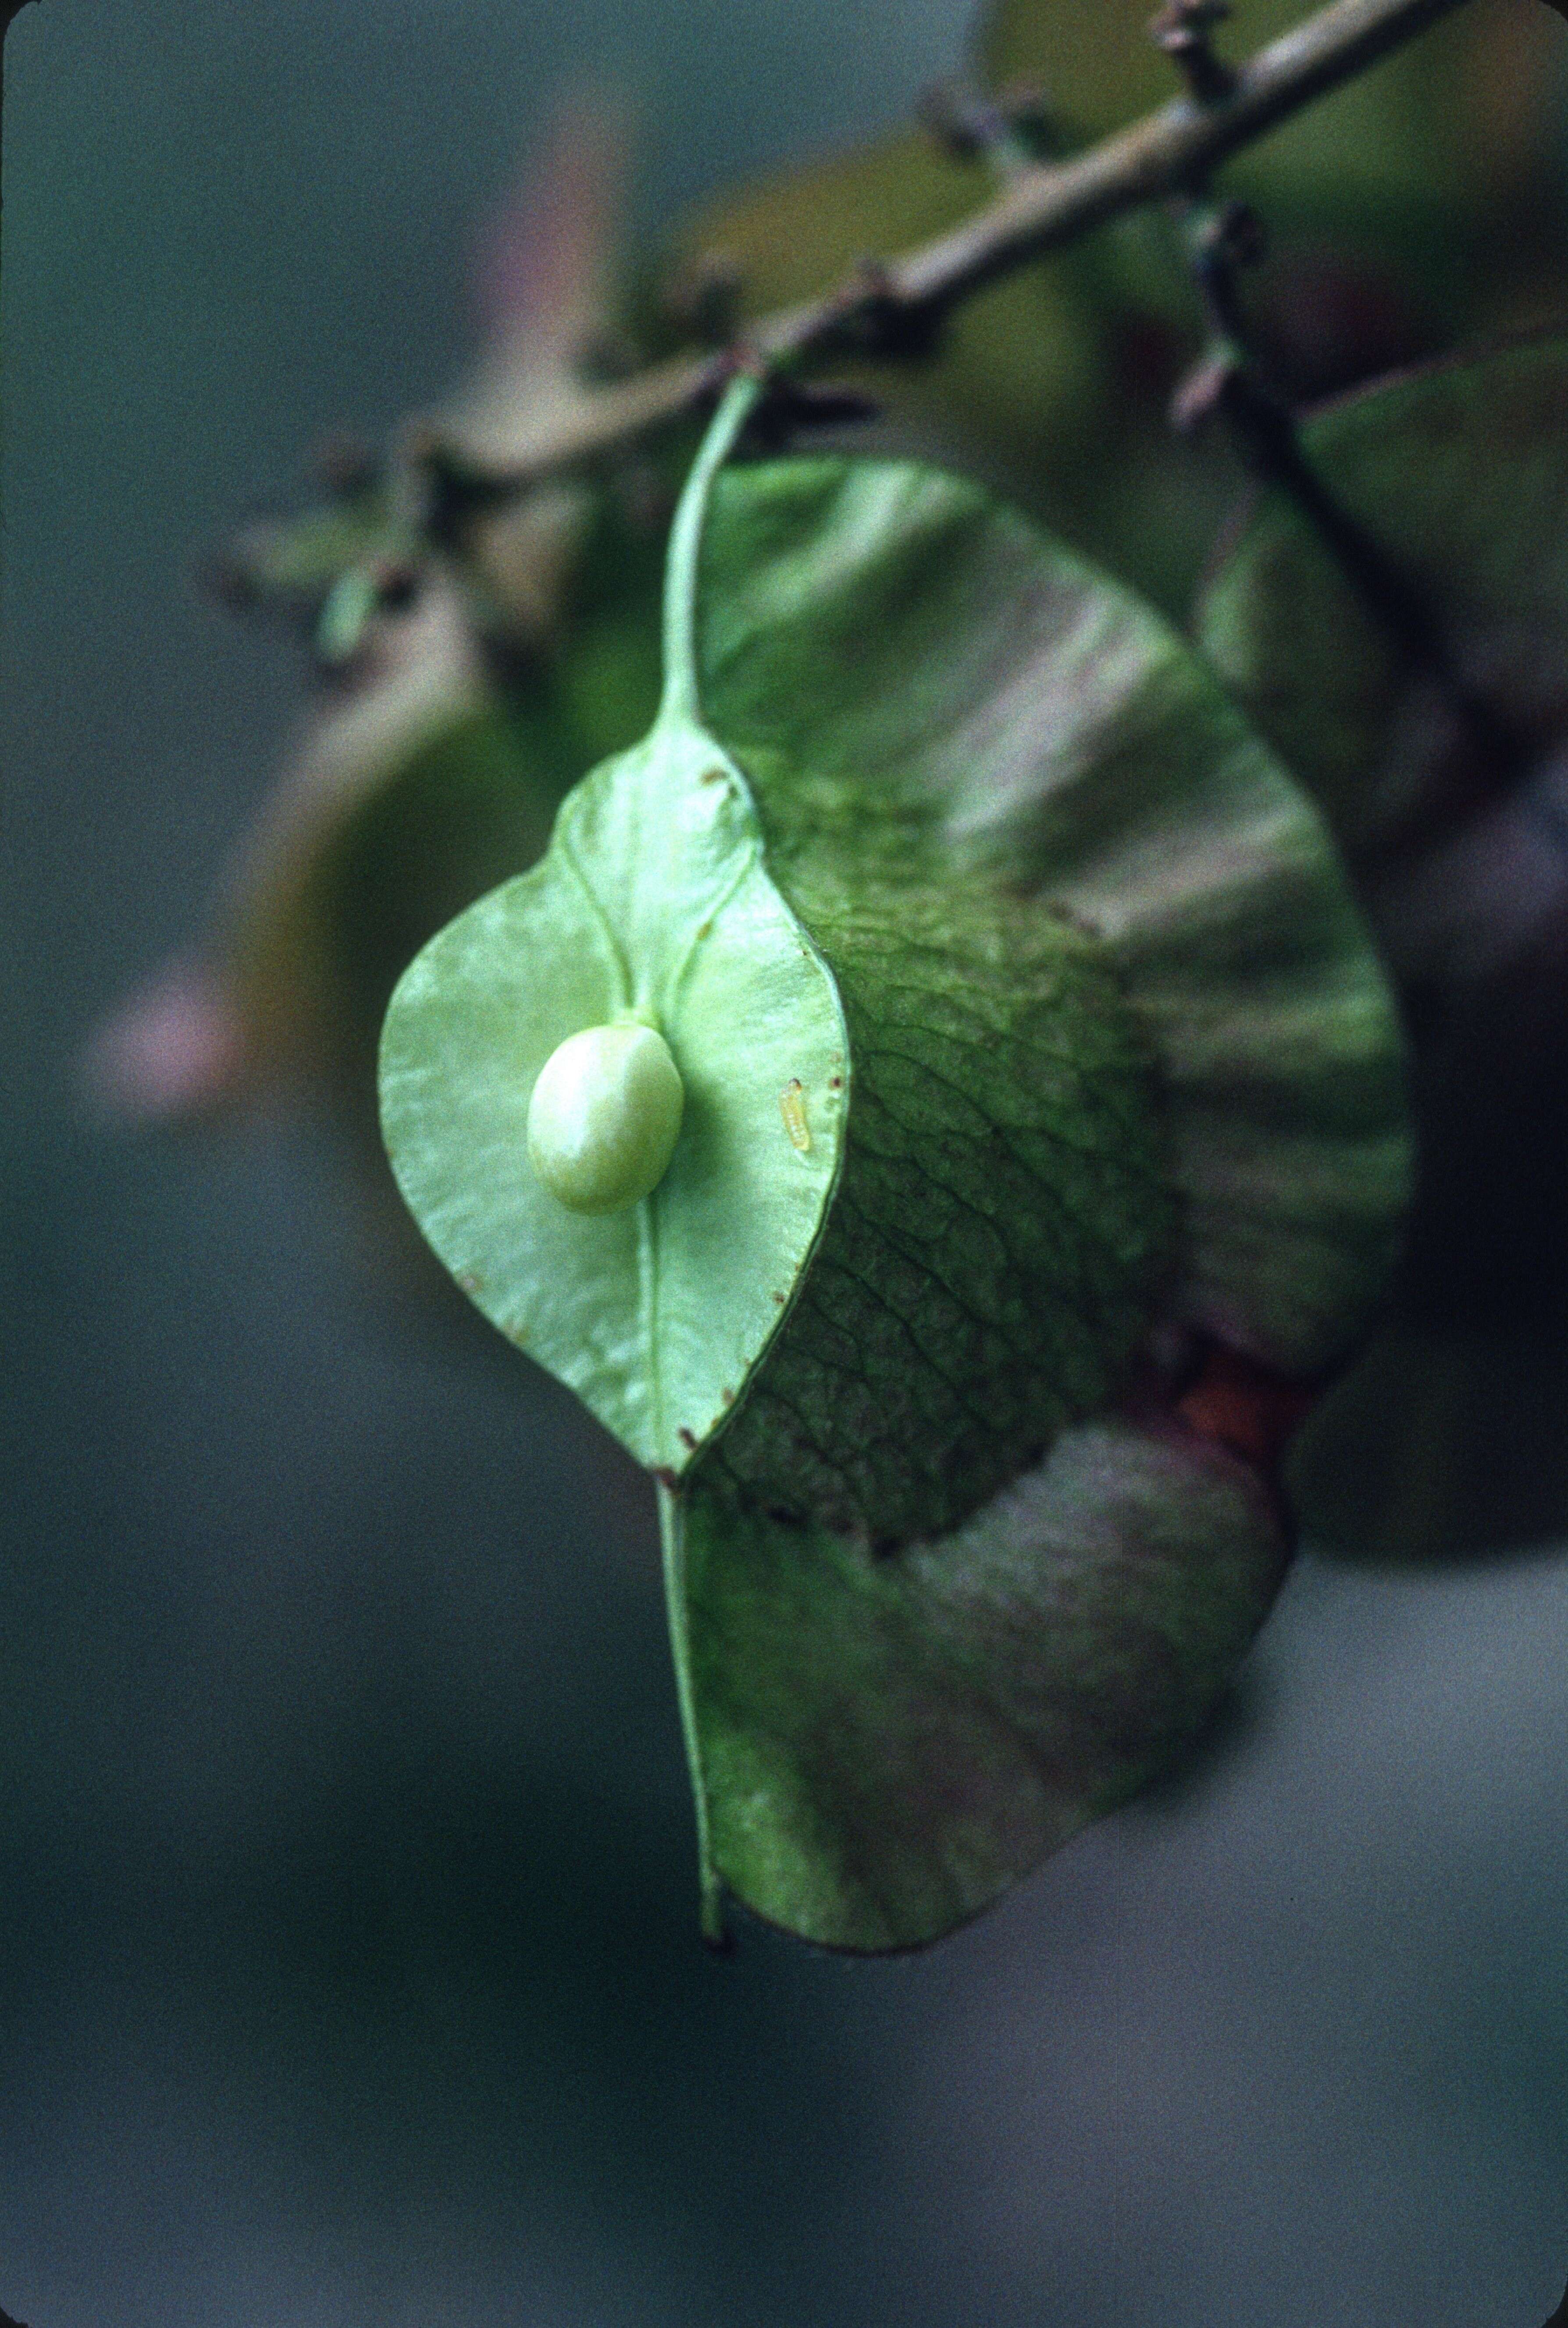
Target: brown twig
1183, 29
1040, 210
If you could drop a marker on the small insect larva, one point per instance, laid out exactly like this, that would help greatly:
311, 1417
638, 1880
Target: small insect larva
792, 1106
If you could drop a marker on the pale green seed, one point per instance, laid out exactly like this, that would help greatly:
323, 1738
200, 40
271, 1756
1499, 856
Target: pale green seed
605, 1117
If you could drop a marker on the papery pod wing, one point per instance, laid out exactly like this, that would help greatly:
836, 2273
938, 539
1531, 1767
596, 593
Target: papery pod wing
1456, 476
1037, 1064
1060, 743
651, 914
651, 904
891, 1725
1441, 767
1440, 764
884, 1743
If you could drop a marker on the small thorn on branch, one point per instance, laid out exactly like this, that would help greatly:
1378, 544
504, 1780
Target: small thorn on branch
1204, 390
1233, 235
1221, 242
876, 319
1182, 30
1012, 127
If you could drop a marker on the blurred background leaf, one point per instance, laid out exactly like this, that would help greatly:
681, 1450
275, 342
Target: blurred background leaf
1445, 780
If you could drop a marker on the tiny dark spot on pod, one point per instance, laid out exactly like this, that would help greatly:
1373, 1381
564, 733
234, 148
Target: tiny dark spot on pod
469, 1280
726, 1397
835, 1082
687, 1438
666, 1477
713, 776
780, 1300
705, 930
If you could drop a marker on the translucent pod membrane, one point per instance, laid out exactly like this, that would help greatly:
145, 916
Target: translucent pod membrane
605, 1117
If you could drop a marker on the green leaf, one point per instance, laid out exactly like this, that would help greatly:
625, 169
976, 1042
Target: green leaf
927, 692
652, 904
1039, 1037
652, 899
1457, 476
884, 1744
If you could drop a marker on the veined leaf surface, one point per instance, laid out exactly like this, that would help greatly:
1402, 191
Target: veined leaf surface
883, 1744
1024, 1012
652, 900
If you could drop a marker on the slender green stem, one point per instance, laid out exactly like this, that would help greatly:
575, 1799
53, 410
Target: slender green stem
679, 703
673, 1539
681, 706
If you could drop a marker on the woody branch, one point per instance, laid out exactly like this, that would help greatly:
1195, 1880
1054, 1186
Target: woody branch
1041, 209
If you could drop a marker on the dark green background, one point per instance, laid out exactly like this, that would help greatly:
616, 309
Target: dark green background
349, 1975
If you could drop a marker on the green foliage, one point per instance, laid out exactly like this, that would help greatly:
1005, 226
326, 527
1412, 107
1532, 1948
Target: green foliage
1403, 162
924, 690
1432, 733
1055, 384
934, 1097
1431, 725
1458, 475
652, 898
883, 1744
1019, 377
1021, 1010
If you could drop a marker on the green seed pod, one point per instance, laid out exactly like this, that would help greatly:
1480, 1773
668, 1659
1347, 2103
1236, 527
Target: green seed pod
1034, 1056
605, 1117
